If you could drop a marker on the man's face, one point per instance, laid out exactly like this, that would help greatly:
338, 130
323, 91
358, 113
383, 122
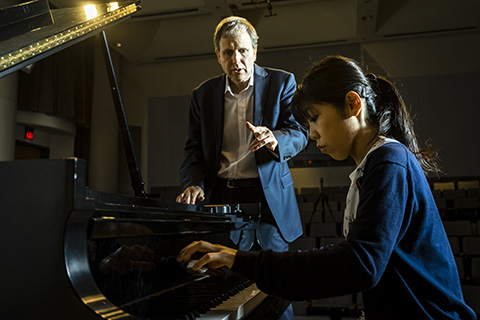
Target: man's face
237, 56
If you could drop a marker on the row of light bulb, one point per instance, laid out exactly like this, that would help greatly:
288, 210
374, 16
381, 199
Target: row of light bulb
93, 22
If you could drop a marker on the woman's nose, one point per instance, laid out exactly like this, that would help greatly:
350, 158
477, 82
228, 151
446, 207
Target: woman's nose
313, 134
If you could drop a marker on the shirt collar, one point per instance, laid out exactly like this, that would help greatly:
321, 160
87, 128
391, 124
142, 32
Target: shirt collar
229, 89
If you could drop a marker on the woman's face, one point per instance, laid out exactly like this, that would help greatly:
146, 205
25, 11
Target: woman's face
332, 130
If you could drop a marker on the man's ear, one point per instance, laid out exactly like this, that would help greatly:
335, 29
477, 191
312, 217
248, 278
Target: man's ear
218, 56
353, 103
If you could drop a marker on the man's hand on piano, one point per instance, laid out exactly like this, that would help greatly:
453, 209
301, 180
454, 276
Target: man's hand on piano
191, 195
217, 256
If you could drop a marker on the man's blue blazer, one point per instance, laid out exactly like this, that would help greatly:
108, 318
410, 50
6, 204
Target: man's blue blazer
273, 91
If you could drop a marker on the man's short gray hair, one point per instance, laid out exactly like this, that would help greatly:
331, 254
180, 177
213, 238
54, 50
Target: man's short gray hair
232, 26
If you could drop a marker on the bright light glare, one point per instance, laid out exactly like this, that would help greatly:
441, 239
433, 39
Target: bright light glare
112, 6
90, 11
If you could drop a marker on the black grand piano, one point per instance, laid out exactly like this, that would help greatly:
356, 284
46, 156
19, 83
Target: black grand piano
69, 252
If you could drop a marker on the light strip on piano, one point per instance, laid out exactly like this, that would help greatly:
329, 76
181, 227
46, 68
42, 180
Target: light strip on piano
53, 41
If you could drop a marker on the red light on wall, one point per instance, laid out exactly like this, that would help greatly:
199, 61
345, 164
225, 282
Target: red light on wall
29, 133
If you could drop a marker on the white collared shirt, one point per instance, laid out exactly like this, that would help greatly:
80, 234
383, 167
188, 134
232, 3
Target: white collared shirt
237, 161
353, 195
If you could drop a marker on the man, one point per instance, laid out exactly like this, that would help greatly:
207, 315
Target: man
241, 135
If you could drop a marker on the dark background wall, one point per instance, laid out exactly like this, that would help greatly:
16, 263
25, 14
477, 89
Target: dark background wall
444, 108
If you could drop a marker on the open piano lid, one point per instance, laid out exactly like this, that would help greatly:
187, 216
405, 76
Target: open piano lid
55, 30
66, 27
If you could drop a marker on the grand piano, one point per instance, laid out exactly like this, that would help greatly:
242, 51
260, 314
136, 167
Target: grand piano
70, 252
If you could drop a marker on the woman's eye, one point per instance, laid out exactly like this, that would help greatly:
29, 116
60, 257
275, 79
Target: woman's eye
314, 118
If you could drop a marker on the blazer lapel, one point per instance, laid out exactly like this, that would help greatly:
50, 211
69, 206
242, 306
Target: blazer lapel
218, 101
260, 94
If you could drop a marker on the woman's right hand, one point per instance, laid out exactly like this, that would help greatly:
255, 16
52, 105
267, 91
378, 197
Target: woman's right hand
216, 255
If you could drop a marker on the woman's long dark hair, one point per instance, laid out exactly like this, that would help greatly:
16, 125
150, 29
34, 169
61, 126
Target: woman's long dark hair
329, 80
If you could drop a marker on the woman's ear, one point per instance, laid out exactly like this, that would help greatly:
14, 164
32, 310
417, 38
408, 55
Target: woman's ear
353, 103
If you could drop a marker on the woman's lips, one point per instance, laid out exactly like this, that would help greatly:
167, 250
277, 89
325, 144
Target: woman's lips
322, 148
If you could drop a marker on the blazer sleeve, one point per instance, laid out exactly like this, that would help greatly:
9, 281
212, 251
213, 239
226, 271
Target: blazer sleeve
292, 137
192, 168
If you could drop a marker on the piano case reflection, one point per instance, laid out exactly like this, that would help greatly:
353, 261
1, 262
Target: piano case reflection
74, 253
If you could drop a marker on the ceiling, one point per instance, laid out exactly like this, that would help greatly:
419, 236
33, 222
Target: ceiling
180, 29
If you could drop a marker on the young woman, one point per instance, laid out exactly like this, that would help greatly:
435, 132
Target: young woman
395, 250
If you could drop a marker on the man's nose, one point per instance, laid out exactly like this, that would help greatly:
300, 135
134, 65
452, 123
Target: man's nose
236, 56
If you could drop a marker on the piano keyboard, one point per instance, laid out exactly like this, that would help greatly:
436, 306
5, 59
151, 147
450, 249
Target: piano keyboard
210, 298
237, 306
